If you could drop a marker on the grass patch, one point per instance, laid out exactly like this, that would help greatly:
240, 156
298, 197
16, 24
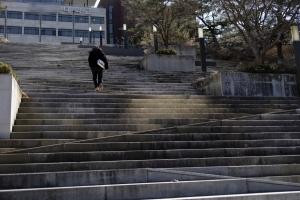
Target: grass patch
6, 69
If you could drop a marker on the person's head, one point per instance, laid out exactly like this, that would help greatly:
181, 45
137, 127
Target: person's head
96, 48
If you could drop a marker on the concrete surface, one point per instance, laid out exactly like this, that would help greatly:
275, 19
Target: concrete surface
10, 99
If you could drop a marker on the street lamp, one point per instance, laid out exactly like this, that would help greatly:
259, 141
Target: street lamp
202, 49
100, 28
155, 38
296, 43
125, 36
90, 37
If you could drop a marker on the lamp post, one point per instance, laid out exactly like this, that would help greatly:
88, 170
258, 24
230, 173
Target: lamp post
125, 36
296, 43
100, 28
90, 37
5, 28
73, 23
40, 30
155, 38
202, 49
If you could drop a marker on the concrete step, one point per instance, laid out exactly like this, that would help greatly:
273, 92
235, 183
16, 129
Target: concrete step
46, 135
151, 105
160, 115
89, 127
204, 136
143, 127
143, 110
110, 98
162, 163
142, 190
173, 121
145, 155
236, 129
104, 177
161, 145
18, 143
261, 123
4, 150
280, 117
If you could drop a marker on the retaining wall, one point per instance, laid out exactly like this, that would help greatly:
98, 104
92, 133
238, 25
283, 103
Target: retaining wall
249, 84
10, 99
157, 62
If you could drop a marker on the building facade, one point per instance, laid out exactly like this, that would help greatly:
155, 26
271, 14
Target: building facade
115, 16
53, 23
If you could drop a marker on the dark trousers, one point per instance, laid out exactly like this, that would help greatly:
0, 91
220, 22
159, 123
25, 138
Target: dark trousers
97, 73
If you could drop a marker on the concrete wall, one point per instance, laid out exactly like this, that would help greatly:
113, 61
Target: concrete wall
10, 99
168, 63
248, 84
183, 50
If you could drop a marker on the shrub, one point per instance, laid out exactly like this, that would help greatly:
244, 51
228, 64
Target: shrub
167, 52
6, 69
272, 68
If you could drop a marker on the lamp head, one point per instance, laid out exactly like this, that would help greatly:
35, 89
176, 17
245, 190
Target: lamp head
200, 32
295, 33
100, 28
124, 27
90, 29
154, 29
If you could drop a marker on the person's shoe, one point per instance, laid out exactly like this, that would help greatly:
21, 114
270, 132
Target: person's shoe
96, 89
100, 88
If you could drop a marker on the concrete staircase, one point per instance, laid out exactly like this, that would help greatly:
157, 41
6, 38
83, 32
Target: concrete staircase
149, 135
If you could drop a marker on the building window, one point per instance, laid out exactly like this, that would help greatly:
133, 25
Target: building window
2, 14
14, 15
1, 29
49, 17
31, 31
14, 29
81, 33
81, 19
65, 32
49, 31
97, 20
32, 16
65, 18
111, 24
97, 34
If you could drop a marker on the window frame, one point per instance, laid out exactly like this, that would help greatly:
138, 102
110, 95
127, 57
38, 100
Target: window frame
60, 31
48, 29
28, 15
69, 17
10, 15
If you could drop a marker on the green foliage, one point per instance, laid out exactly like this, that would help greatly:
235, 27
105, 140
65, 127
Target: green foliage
272, 68
6, 69
167, 52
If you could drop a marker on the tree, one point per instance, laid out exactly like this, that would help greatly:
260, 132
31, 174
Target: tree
2, 7
167, 16
211, 16
261, 23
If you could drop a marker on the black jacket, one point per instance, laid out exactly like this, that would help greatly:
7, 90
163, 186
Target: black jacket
96, 54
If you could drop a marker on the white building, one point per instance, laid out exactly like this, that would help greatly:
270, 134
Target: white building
52, 23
